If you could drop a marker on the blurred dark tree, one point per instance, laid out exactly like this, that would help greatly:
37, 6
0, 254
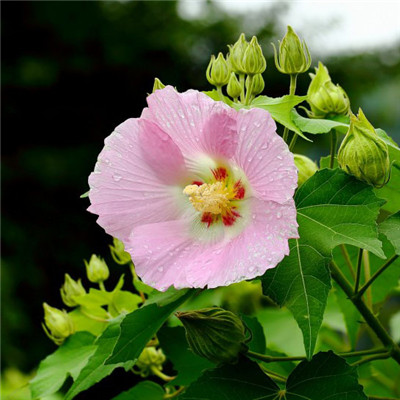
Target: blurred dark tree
71, 72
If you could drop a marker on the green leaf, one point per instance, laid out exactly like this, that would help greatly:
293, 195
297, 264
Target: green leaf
141, 325
95, 369
242, 381
67, 360
124, 302
94, 298
326, 376
217, 97
317, 126
188, 365
83, 323
146, 390
280, 109
301, 282
332, 208
391, 229
257, 342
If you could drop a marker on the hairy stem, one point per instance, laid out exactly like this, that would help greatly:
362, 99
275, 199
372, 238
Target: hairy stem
242, 81
390, 261
369, 317
292, 90
358, 273
367, 277
381, 356
333, 135
249, 90
346, 256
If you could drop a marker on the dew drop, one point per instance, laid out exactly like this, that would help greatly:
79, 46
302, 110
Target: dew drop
160, 269
117, 177
279, 157
251, 269
278, 215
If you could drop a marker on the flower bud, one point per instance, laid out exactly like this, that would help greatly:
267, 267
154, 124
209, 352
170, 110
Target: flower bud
234, 89
363, 153
96, 270
306, 168
325, 98
157, 85
254, 60
218, 72
70, 290
118, 253
294, 57
149, 362
58, 325
258, 84
214, 333
236, 55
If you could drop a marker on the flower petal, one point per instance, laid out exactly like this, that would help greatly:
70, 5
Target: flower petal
262, 245
265, 157
195, 122
124, 189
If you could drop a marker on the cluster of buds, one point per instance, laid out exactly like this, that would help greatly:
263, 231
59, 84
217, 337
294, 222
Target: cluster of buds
118, 253
325, 98
244, 58
96, 269
306, 168
294, 57
58, 325
214, 333
150, 362
363, 153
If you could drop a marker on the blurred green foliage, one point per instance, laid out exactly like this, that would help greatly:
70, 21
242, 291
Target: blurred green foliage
71, 72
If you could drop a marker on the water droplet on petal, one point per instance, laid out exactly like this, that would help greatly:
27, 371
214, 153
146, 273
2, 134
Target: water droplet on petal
160, 269
117, 177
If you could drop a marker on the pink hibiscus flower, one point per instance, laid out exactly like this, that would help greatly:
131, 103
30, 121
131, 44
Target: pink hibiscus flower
199, 193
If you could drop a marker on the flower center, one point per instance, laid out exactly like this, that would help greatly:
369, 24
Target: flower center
211, 198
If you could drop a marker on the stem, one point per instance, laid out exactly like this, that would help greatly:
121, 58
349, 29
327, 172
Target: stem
333, 148
277, 377
249, 90
381, 356
293, 142
102, 287
346, 256
242, 81
174, 394
359, 259
292, 90
268, 359
367, 276
363, 352
161, 375
135, 277
369, 317
377, 273
90, 316
221, 95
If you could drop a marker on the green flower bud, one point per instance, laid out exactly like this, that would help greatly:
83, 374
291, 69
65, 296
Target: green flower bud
236, 55
157, 85
258, 84
70, 290
325, 98
254, 60
58, 325
118, 253
97, 269
218, 72
234, 89
363, 153
149, 362
214, 333
306, 168
294, 57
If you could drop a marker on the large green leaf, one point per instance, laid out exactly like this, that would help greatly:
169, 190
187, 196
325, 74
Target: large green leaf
188, 365
95, 370
280, 109
146, 390
332, 208
326, 376
67, 360
257, 341
391, 229
242, 381
317, 126
141, 325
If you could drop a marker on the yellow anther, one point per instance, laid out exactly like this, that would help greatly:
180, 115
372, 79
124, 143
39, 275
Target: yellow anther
213, 198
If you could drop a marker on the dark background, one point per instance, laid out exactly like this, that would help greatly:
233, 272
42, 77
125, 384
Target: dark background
71, 72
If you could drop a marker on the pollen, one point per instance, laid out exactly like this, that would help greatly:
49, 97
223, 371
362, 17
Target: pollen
211, 198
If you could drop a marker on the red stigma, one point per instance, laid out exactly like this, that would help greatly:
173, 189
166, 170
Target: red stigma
198, 183
230, 217
220, 173
207, 218
239, 190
